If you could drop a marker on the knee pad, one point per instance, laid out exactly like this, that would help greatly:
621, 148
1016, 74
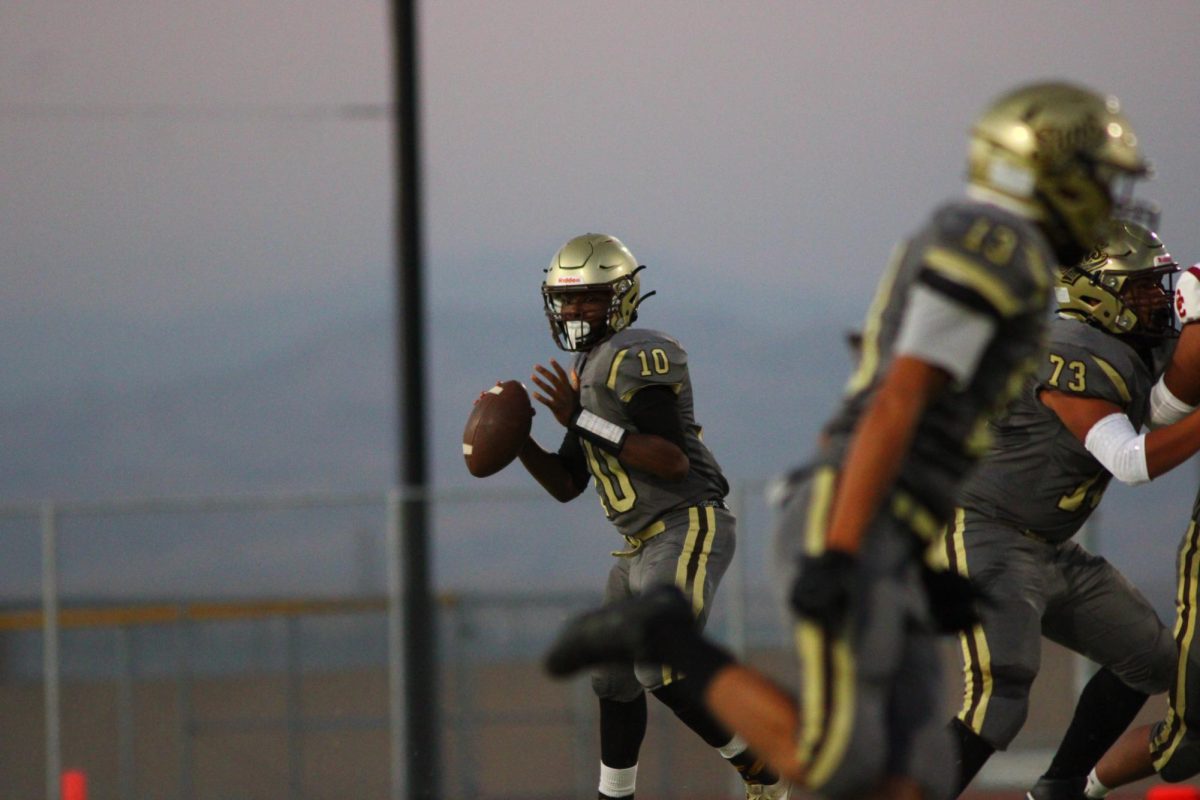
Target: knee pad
616, 682
1007, 706
1154, 670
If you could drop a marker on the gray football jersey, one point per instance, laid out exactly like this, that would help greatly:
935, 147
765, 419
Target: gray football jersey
609, 376
992, 262
1038, 476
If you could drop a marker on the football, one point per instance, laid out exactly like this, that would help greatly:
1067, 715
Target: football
499, 423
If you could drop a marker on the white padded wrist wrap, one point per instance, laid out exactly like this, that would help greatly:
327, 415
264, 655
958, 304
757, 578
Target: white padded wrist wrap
1120, 448
1165, 407
599, 430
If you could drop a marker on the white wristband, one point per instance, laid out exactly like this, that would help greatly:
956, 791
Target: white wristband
1120, 448
597, 429
1165, 407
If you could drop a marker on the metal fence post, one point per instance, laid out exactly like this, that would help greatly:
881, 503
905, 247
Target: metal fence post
51, 667
395, 658
294, 710
126, 768
184, 708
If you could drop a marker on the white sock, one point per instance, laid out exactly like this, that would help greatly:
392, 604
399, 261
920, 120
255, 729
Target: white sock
733, 748
617, 782
1094, 788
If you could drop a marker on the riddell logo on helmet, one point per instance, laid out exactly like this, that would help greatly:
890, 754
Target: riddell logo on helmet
570, 279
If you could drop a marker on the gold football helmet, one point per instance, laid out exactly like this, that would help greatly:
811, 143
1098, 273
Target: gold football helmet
1063, 154
591, 263
1125, 286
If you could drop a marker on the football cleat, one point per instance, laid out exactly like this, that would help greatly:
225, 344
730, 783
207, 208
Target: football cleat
619, 632
1057, 789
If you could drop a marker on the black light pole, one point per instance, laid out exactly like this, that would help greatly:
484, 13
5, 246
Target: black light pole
419, 621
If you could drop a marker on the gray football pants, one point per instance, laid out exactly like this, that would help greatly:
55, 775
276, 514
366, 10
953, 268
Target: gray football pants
692, 552
1175, 742
870, 695
1060, 591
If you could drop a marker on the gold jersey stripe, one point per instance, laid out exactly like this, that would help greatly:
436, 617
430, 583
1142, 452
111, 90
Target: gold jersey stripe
818, 510
612, 371
962, 270
868, 360
710, 519
977, 657
1115, 377
1185, 631
684, 561
810, 640
840, 718
827, 713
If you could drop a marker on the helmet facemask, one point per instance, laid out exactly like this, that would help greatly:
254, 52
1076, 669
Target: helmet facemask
590, 265
1126, 287
575, 334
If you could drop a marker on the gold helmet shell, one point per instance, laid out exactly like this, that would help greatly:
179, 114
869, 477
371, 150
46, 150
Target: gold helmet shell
589, 263
1059, 152
1124, 286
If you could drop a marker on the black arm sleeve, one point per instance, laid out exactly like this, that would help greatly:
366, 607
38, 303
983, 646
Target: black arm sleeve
573, 458
655, 409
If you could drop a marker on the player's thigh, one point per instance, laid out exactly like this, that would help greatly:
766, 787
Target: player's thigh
1106, 618
1001, 655
693, 552
848, 677
1013, 572
616, 681
920, 745
802, 499
617, 587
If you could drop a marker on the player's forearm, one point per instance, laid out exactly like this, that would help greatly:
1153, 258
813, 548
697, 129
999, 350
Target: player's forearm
1168, 447
548, 470
878, 448
654, 454
1183, 373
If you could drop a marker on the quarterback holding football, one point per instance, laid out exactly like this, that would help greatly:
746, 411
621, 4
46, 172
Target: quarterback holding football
625, 403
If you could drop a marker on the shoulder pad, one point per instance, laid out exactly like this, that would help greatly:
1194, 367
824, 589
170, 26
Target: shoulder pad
646, 361
1082, 360
989, 254
1187, 295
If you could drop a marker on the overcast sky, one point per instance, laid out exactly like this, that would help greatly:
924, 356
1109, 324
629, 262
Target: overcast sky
191, 186
184, 182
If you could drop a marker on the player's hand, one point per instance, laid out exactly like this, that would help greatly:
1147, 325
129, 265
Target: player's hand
823, 589
559, 391
954, 599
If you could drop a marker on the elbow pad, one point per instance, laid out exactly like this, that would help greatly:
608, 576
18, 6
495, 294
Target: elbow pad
1165, 407
1120, 448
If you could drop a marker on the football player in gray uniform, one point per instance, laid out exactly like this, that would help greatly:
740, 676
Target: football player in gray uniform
1068, 434
626, 404
953, 333
1171, 747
